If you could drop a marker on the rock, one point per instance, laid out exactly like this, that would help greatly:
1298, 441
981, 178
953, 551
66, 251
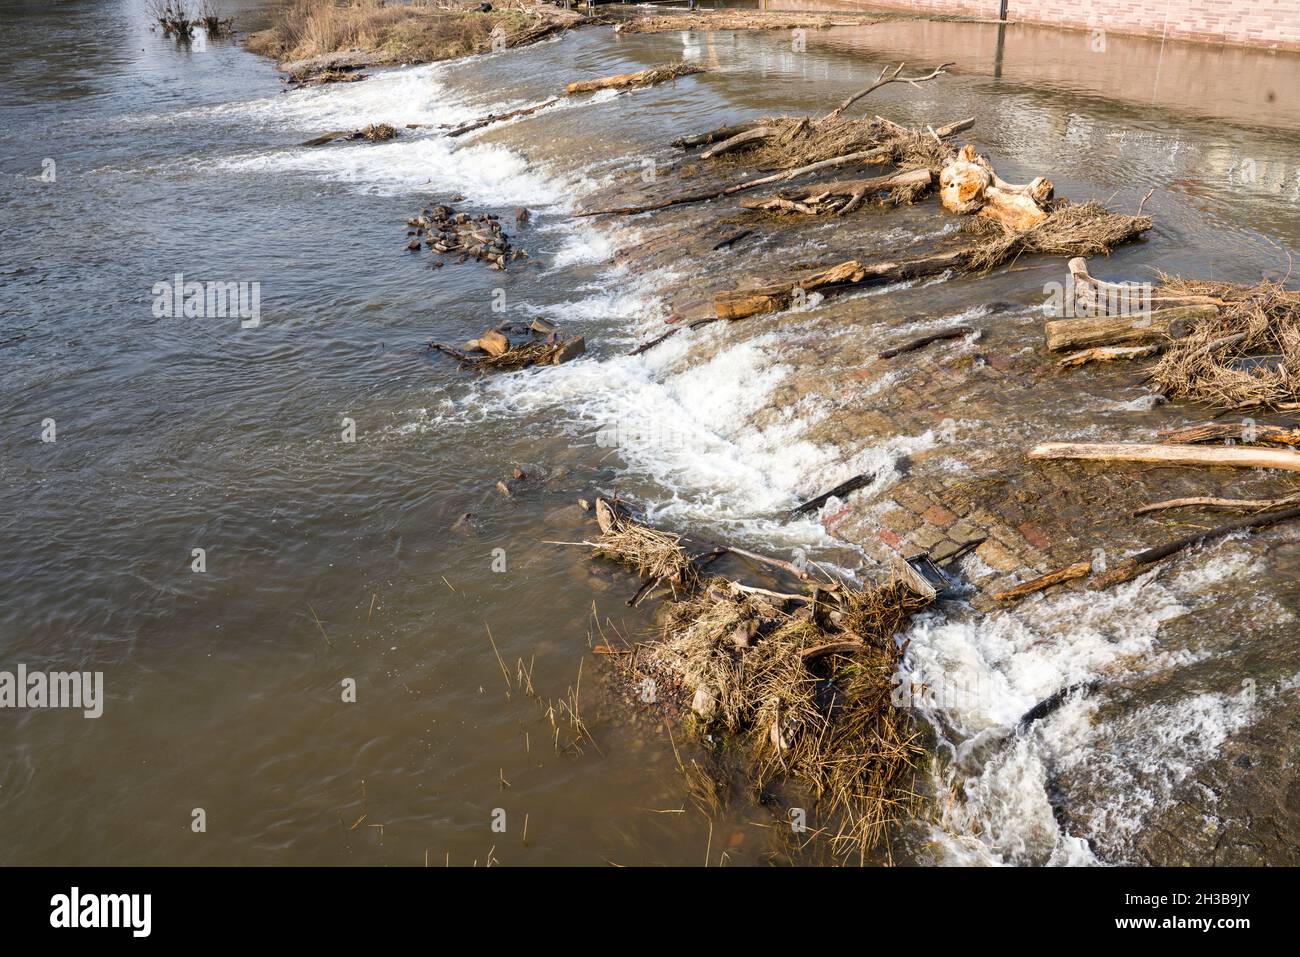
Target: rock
542, 326
704, 704
464, 525
504, 489
605, 515
519, 473
413, 245
329, 138
743, 635
522, 216
570, 349
779, 736
493, 343
565, 516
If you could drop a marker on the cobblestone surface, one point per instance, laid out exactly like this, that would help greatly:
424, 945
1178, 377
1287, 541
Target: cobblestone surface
961, 414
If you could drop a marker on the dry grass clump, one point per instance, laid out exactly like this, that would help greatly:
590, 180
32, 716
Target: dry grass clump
798, 141
394, 32
875, 614
1248, 355
809, 693
1071, 229
860, 754
655, 555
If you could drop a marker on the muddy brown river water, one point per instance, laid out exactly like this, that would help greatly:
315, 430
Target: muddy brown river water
333, 564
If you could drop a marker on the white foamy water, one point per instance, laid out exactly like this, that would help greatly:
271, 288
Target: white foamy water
683, 417
418, 160
491, 175
399, 96
985, 672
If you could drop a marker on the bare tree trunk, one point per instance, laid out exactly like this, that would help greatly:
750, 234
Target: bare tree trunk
1042, 582
1234, 456
1120, 330
1245, 433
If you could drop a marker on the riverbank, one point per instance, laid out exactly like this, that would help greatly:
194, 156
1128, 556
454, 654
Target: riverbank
310, 37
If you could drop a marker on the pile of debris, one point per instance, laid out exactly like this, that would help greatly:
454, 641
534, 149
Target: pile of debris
1007, 220
533, 344
446, 231
801, 683
1246, 355
1226, 345
374, 132
322, 70
1230, 346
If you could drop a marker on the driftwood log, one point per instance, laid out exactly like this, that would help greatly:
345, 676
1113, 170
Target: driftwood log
640, 78
839, 491
1244, 433
1042, 582
1130, 568
1107, 354
1093, 331
1103, 297
712, 136
739, 304
1233, 456
498, 117
956, 332
1216, 504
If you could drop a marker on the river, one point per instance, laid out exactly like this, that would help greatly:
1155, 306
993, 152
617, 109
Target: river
322, 460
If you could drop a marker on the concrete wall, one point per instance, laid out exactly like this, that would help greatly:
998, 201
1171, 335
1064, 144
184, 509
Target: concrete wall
1264, 23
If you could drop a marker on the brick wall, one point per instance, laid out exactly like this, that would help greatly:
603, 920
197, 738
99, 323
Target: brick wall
1266, 23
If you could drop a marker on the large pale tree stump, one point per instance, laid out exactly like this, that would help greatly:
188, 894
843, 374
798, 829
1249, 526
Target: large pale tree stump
968, 186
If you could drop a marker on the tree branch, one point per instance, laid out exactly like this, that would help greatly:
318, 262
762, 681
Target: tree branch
885, 78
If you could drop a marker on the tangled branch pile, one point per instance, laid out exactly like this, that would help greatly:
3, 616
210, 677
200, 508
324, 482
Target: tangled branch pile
655, 555
1247, 355
808, 692
792, 142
